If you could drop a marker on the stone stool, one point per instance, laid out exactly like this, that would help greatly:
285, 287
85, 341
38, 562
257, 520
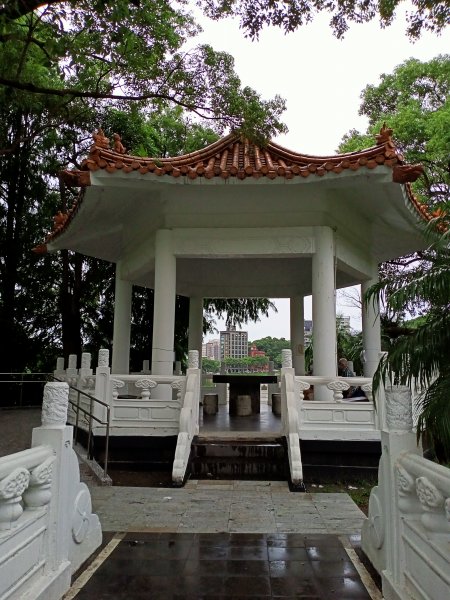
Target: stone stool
210, 404
244, 406
276, 404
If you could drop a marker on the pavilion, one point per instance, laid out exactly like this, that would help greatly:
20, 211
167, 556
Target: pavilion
239, 220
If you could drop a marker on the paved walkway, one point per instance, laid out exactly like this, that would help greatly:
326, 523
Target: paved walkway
222, 506
216, 540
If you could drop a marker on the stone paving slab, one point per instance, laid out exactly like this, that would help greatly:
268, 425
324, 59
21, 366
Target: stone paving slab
233, 507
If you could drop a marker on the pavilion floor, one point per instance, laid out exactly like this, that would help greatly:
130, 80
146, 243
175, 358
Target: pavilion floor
223, 425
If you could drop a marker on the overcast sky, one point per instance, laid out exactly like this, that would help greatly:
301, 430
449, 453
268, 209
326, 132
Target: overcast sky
321, 79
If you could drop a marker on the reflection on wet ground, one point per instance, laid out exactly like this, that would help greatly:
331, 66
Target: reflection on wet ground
164, 566
264, 422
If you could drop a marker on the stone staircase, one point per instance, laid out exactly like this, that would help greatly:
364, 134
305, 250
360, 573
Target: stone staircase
239, 458
266, 458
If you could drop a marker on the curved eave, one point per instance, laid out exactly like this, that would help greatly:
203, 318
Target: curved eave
234, 158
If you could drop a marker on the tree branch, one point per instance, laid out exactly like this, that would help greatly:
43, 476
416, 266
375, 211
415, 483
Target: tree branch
64, 92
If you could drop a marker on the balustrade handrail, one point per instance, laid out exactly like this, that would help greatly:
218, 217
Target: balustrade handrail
420, 466
138, 376
92, 416
28, 459
324, 379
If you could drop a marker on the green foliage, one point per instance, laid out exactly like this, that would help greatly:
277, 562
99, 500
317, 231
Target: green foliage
237, 310
210, 366
162, 133
246, 364
415, 102
273, 347
349, 346
129, 52
422, 353
63, 72
428, 15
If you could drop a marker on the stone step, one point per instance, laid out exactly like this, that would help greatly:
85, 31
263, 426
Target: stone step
239, 459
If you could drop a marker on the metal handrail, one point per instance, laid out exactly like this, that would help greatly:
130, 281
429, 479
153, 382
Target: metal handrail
91, 416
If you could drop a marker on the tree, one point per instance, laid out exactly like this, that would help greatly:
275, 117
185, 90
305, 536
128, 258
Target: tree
428, 15
431, 15
273, 347
421, 354
121, 51
237, 310
58, 66
415, 102
349, 346
210, 366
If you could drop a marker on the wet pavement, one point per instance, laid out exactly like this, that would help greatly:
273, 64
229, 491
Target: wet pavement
163, 566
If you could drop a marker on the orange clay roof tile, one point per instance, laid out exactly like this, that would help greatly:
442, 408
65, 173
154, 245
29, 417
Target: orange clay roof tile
232, 156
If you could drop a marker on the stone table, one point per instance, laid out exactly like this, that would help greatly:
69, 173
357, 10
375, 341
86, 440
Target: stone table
245, 385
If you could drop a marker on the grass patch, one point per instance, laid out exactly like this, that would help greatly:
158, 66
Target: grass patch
359, 491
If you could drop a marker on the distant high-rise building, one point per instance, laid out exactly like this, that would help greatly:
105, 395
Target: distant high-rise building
211, 349
343, 322
233, 344
308, 326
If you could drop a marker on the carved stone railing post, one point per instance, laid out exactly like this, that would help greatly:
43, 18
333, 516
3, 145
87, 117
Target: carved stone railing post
59, 371
286, 359
177, 370
398, 409
193, 360
57, 479
381, 534
85, 370
55, 403
72, 370
102, 375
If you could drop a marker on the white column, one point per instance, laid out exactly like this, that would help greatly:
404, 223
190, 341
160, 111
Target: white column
324, 308
122, 325
164, 304
371, 331
298, 334
195, 336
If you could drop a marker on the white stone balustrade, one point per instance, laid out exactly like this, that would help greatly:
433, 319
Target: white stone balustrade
290, 419
189, 419
407, 534
25, 479
41, 496
137, 402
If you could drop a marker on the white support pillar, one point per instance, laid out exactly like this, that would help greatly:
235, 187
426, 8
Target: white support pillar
371, 331
122, 325
324, 308
164, 304
195, 336
298, 334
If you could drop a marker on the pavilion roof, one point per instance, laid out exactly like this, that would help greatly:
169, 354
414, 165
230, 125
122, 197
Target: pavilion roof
235, 157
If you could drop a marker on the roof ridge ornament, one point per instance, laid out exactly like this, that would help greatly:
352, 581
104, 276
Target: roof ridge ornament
118, 146
100, 140
385, 135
